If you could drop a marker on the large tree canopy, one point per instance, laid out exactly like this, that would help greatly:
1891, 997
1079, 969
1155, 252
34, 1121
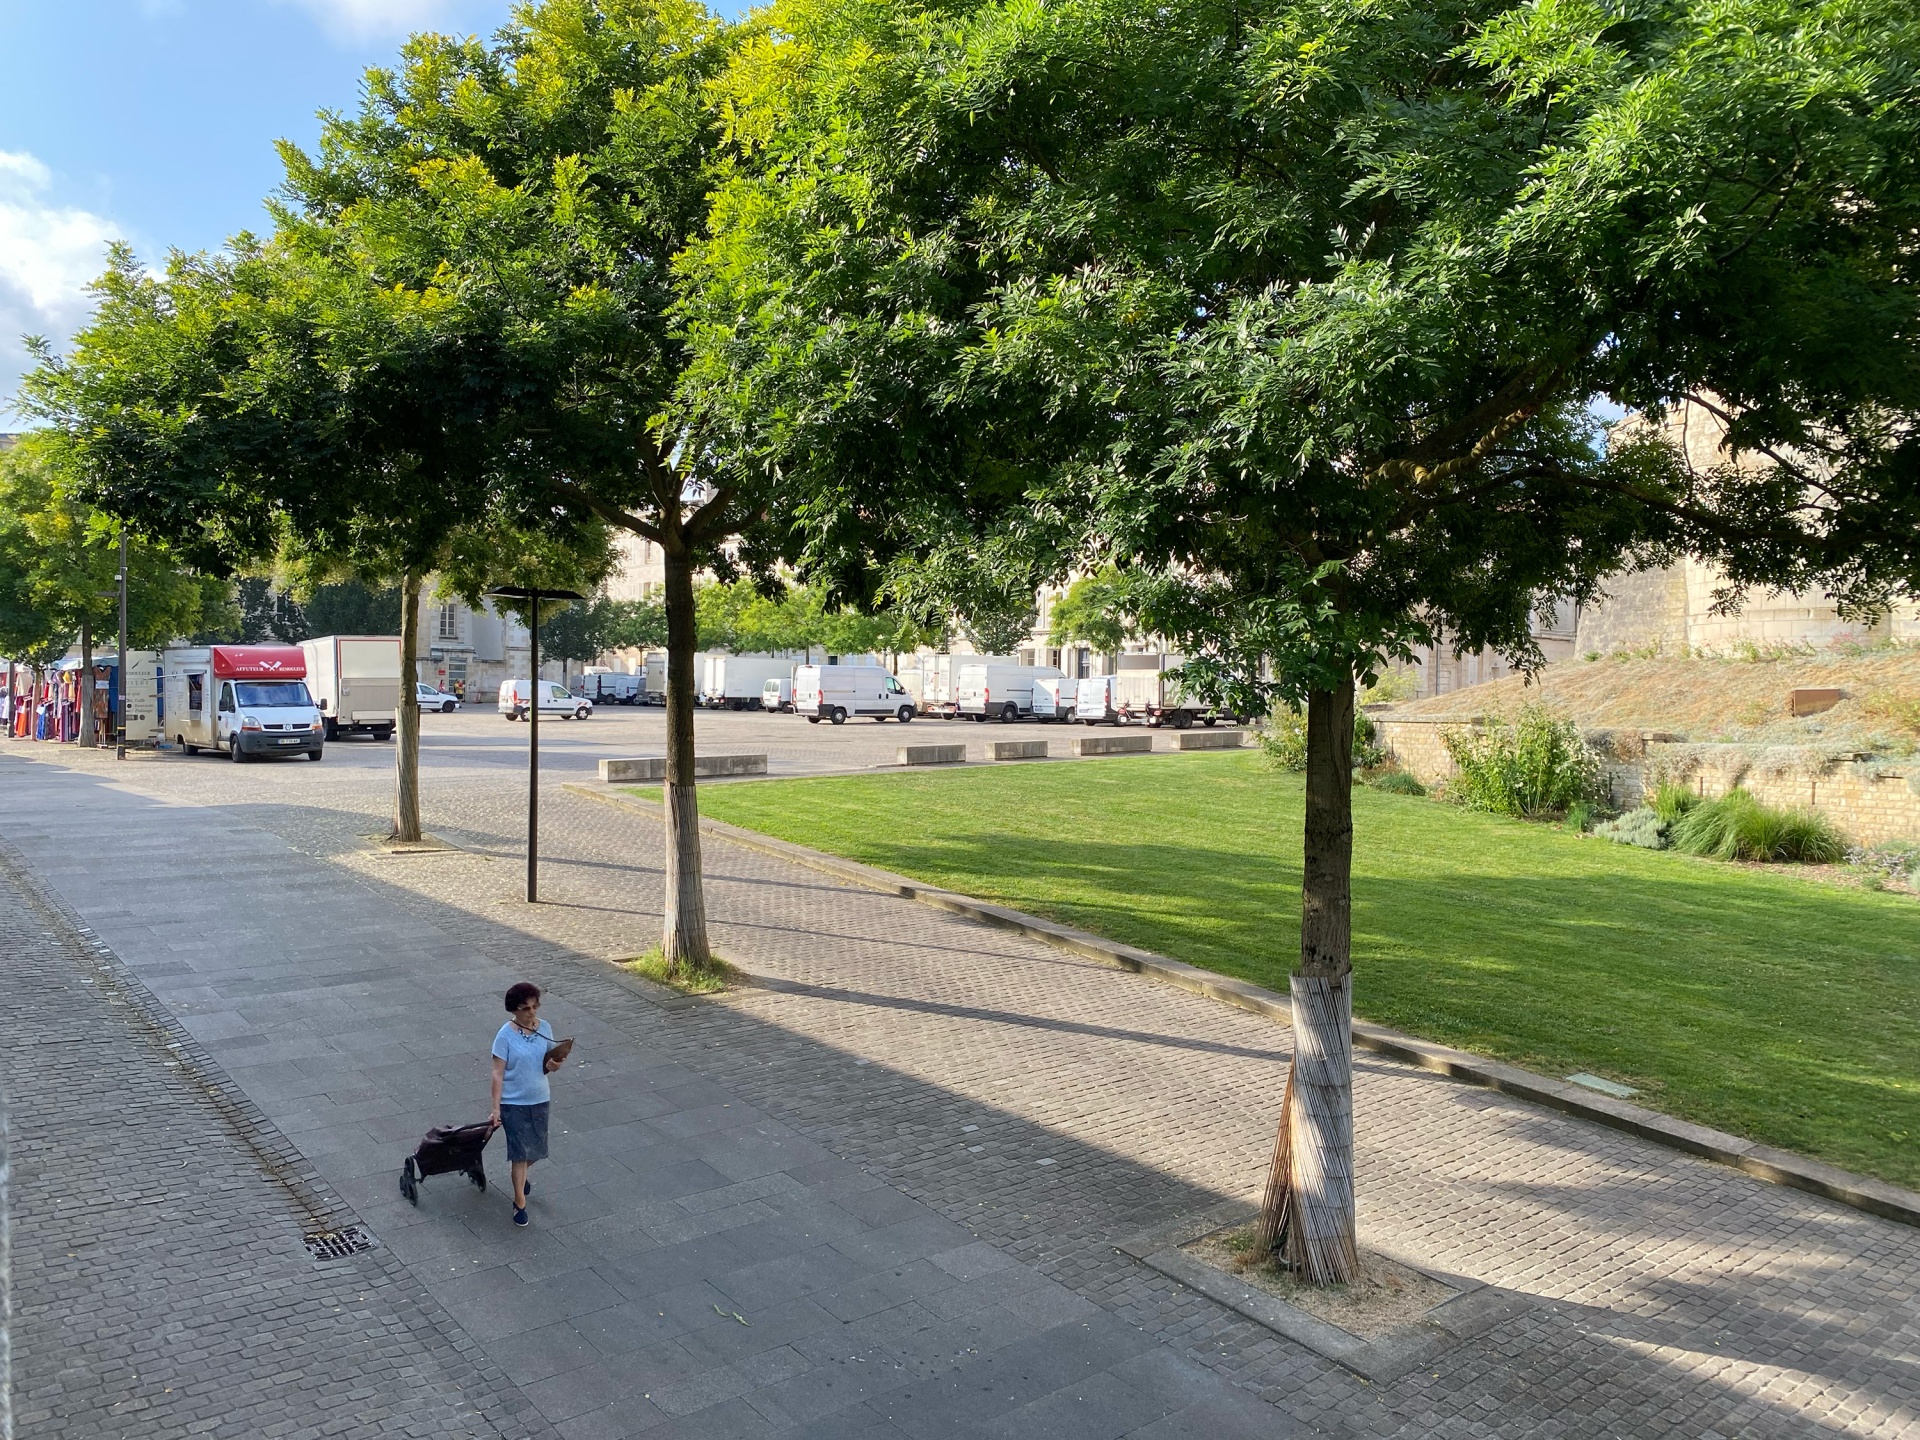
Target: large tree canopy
1300, 308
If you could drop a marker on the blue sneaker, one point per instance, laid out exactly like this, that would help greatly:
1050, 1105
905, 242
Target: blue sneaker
520, 1215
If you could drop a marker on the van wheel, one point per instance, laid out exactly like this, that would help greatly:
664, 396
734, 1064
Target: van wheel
384, 733
906, 712
235, 753
1183, 720
181, 741
446, 709
582, 713
1206, 720
839, 716
813, 719
330, 728
313, 754
1009, 714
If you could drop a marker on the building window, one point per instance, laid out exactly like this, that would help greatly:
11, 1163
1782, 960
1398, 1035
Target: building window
449, 628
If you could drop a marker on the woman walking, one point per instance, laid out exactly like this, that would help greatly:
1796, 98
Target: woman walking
520, 1089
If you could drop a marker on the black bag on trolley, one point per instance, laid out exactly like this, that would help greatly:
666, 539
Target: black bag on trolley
447, 1150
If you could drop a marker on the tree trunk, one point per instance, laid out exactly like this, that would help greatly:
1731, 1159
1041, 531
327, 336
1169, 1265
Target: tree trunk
87, 736
406, 749
1320, 1241
684, 938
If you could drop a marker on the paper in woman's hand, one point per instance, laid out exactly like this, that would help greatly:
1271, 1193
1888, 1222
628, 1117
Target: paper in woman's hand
557, 1054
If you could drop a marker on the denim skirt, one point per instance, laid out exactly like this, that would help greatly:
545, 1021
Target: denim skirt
526, 1127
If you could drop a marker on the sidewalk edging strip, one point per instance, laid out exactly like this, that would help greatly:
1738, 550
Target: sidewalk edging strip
1777, 1167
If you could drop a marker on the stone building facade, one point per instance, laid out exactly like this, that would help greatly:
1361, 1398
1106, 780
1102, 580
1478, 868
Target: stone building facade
1672, 611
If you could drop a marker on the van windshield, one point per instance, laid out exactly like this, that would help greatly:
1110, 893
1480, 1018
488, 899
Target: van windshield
270, 693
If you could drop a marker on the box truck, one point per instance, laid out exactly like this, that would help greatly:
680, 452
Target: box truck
737, 682
241, 700
610, 687
835, 692
355, 680
1003, 691
1138, 695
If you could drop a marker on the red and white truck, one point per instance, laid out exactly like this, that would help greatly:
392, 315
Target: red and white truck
241, 700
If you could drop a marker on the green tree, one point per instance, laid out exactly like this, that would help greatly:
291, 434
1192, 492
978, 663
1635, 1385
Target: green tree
60, 566
351, 607
1092, 611
1298, 310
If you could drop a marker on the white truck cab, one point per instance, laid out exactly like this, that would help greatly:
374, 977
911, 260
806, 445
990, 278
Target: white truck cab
835, 692
243, 701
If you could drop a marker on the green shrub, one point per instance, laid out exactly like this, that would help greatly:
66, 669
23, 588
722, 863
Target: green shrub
1284, 741
1538, 765
1739, 827
1579, 816
1642, 827
1672, 800
1394, 782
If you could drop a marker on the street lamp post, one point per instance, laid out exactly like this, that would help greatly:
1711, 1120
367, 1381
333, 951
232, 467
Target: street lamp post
120, 669
533, 595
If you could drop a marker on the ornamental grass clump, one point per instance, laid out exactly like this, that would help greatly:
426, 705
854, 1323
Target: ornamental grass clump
1739, 827
1642, 827
1536, 766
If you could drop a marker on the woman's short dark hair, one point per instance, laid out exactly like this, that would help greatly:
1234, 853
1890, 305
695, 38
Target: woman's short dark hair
519, 994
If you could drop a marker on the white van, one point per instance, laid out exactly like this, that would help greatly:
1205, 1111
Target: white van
1095, 702
245, 700
777, 695
1002, 692
516, 697
611, 687
833, 692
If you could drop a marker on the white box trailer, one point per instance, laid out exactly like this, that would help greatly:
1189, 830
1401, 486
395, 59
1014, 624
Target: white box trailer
1003, 691
355, 680
240, 700
653, 677
737, 682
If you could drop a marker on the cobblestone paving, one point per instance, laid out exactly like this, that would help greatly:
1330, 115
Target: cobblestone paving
1053, 1106
161, 1284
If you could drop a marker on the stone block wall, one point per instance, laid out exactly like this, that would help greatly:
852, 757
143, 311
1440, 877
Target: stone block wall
1868, 799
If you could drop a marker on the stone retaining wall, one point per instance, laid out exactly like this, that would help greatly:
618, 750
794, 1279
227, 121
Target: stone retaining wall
1869, 799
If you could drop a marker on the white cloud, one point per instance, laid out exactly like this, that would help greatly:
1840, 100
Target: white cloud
374, 19
48, 254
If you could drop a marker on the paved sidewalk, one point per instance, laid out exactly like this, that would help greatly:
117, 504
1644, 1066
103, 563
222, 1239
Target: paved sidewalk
160, 1283
1040, 1103
696, 1267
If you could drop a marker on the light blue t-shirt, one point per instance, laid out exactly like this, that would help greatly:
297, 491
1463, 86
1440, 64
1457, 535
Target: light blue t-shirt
525, 1082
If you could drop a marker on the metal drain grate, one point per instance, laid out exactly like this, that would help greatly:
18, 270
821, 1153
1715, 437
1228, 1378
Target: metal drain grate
339, 1244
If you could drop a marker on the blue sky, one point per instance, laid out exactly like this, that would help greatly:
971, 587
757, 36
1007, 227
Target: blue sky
154, 121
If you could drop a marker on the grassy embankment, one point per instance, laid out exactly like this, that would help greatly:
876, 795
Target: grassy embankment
1764, 1004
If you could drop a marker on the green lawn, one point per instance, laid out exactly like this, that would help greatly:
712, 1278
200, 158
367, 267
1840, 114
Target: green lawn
1771, 1006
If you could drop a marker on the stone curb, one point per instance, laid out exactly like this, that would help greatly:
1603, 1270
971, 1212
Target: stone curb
1777, 1167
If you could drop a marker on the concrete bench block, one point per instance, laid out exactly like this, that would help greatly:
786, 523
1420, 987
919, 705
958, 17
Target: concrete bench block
654, 767
1016, 750
932, 754
1210, 739
1113, 745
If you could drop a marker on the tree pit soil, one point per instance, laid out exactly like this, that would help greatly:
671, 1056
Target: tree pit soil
1387, 1296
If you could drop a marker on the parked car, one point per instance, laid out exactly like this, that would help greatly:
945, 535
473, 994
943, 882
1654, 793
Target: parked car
1004, 692
834, 692
610, 687
432, 699
777, 695
516, 701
